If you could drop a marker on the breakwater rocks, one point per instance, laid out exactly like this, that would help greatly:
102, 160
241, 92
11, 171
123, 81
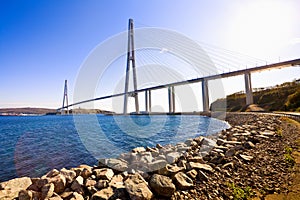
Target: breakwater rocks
247, 155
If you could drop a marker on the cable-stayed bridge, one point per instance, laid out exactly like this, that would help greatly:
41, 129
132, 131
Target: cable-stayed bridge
226, 64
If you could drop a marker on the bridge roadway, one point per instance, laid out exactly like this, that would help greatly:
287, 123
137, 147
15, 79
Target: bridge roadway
247, 72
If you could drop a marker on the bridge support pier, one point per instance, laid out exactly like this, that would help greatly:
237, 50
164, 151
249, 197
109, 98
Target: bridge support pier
248, 89
171, 95
148, 101
205, 97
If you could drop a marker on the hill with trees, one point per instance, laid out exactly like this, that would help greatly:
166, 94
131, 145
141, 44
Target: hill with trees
284, 97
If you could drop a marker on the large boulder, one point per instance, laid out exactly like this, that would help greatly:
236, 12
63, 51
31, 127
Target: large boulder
17, 183
59, 182
172, 157
25, 195
156, 165
86, 173
162, 185
77, 185
113, 163
137, 187
52, 173
47, 190
183, 182
68, 174
10, 189
103, 194
104, 173
117, 181
170, 170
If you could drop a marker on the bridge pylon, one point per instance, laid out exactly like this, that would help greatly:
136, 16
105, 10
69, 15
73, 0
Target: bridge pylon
130, 62
65, 99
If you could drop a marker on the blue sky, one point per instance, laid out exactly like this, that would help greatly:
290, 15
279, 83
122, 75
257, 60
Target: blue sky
42, 43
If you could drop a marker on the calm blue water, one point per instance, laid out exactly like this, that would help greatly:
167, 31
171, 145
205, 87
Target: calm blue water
32, 145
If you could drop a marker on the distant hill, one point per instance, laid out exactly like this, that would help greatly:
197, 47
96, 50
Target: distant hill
284, 97
44, 111
27, 111
89, 111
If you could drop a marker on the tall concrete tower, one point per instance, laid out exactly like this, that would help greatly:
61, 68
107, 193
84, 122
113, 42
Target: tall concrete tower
130, 62
65, 99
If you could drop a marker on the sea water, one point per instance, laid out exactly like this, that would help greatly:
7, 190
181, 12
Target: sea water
33, 145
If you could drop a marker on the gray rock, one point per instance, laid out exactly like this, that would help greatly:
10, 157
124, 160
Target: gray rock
47, 190
209, 142
206, 167
102, 184
147, 158
76, 196
10, 189
170, 170
68, 174
17, 183
89, 183
117, 182
25, 195
138, 150
182, 181
182, 149
137, 187
52, 173
192, 173
268, 133
104, 173
77, 170
77, 185
116, 164
59, 182
198, 159
162, 185
156, 165
222, 142
172, 157
199, 140
217, 159
66, 195
86, 173
188, 142
230, 152
103, 194
246, 158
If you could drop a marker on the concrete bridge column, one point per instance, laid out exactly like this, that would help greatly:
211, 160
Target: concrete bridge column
149, 96
248, 89
173, 99
205, 97
171, 95
148, 101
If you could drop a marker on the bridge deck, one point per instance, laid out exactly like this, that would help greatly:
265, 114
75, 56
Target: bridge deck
279, 65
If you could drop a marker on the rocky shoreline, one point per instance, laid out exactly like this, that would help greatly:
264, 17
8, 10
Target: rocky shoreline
250, 159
